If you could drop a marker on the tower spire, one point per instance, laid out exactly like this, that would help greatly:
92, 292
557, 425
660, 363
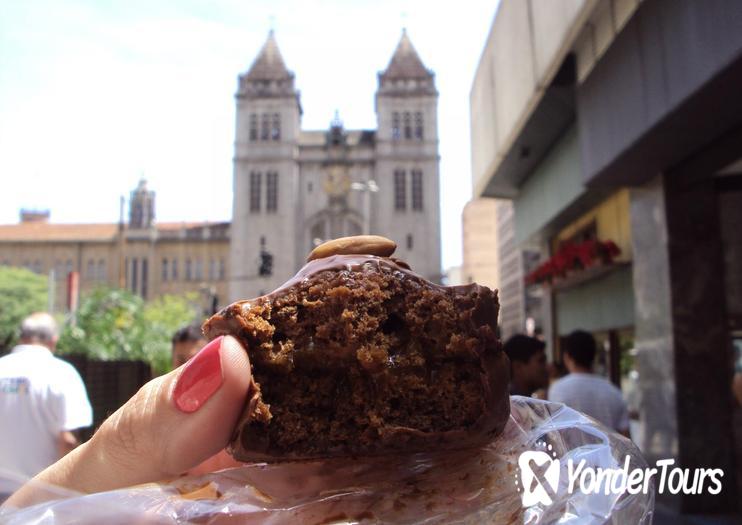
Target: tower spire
269, 64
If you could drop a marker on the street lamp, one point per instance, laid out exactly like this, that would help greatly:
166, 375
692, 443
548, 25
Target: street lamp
367, 188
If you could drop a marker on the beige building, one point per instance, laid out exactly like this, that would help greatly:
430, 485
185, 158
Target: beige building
295, 188
143, 256
481, 258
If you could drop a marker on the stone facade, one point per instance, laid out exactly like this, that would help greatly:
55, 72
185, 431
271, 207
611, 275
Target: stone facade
295, 188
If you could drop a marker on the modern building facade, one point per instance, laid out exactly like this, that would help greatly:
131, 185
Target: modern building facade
141, 255
615, 128
295, 188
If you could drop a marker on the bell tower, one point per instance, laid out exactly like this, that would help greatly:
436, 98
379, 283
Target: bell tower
268, 124
407, 159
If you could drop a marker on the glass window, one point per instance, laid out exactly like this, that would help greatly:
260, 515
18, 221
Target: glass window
271, 184
175, 269
407, 125
199, 269
253, 127
276, 127
265, 126
164, 269
212, 269
409, 241
134, 274
188, 275
145, 277
255, 191
395, 126
102, 275
90, 270
418, 125
417, 190
400, 190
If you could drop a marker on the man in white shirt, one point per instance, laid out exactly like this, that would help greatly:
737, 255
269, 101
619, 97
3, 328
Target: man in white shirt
42, 399
589, 393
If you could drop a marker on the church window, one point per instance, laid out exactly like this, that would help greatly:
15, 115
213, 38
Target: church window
395, 126
265, 126
164, 269
418, 125
271, 187
417, 190
102, 270
255, 177
276, 127
409, 241
188, 275
407, 118
400, 190
253, 127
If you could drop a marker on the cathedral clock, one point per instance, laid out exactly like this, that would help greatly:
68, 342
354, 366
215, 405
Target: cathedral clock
337, 181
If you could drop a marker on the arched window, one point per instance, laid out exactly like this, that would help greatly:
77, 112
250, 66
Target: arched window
419, 125
253, 127
407, 125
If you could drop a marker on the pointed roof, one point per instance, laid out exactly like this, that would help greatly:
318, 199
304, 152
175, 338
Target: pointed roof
269, 64
405, 62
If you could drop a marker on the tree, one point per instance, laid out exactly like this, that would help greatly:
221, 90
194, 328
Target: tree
116, 324
22, 292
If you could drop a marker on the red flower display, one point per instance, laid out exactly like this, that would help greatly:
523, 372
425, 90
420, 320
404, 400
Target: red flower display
574, 256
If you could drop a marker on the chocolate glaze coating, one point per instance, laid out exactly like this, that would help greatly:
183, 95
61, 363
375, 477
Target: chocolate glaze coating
480, 313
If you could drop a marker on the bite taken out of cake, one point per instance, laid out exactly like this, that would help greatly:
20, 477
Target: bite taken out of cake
357, 355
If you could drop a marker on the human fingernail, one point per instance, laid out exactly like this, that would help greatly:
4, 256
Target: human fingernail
201, 377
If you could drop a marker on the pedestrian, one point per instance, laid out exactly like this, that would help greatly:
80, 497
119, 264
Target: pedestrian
42, 400
586, 392
172, 424
187, 341
528, 370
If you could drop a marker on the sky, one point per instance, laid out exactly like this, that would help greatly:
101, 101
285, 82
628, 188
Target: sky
95, 95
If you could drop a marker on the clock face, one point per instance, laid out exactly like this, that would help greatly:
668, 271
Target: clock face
337, 181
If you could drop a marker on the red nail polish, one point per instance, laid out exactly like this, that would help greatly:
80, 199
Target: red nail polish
201, 377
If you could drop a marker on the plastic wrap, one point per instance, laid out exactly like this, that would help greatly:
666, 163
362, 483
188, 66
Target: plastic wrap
474, 486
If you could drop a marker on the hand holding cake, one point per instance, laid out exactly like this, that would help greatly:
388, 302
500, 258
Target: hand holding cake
356, 355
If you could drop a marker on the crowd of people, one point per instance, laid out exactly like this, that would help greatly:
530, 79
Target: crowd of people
579, 388
43, 400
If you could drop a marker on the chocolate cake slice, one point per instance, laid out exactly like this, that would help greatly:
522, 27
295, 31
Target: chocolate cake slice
358, 355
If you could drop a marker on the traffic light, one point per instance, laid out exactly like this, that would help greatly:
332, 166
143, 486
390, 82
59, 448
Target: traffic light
266, 263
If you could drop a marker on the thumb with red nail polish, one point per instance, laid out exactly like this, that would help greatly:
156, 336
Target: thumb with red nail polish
174, 423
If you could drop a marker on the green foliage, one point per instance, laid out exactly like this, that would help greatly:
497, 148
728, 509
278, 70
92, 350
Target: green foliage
116, 324
22, 292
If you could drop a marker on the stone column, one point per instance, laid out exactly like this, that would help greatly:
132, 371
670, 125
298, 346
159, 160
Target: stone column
653, 328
